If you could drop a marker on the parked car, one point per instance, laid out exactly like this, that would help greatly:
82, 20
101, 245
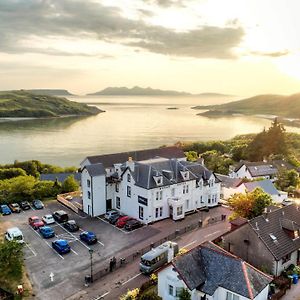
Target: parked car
71, 226
37, 204
5, 210
88, 237
61, 246
15, 207
48, 219
110, 214
122, 221
14, 234
25, 205
114, 218
35, 222
133, 224
60, 216
47, 232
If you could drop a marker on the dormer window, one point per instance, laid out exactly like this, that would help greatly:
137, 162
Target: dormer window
158, 180
185, 175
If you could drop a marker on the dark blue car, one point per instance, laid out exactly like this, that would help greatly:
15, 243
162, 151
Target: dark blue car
88, 237
5, 210
61, 246
47, 232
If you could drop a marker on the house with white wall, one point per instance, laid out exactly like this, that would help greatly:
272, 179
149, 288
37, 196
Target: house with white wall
270, 241
152, 189
209, 272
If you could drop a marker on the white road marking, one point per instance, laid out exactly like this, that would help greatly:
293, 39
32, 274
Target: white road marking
74, 251
100, 243
189, 244
120, 229
135, 276
31, 249
54, 250
212, 233
102, 296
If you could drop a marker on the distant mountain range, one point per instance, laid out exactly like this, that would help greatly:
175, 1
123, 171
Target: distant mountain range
138, 91
278, 105
50, 92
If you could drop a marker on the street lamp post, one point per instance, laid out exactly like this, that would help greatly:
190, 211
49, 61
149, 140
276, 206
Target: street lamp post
91, 257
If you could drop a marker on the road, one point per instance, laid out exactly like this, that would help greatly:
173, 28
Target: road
129, 277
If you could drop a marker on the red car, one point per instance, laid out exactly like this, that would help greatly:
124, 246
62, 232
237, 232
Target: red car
122, 221
35, 222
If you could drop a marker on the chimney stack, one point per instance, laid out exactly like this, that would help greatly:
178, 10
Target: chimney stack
130, 163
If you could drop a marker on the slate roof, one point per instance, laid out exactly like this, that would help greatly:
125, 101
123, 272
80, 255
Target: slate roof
61, 177
170, 170
229, 182
266, 185
108, 160
239, 221
272, 223
208, 267
284, 164
95, 169
257, 169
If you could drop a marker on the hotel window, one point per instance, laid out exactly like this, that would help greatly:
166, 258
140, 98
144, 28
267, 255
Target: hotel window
141, 212
118, 202
230, 296
89, 194
187, 189
201, 199
158, 212
88, 183
171, 290
128, 191
208, 199
159, 195
183, 189
173, 192
187, 204
179, 210
117, 187
128, 177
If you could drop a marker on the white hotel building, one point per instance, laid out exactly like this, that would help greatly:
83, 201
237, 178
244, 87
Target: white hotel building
150, 185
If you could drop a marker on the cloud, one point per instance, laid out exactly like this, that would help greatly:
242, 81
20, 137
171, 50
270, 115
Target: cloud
21, 20
271, 54
166, 3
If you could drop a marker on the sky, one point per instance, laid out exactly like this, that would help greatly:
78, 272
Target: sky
238, 47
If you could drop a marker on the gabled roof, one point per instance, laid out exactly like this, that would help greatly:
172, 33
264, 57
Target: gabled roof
257, 169
170, 171
61, 177
229, 182
108, 160
273, 223
208, 267
95, 169
279, 164
266, 185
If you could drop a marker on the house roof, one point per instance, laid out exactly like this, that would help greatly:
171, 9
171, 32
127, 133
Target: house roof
266, 185
229, 182
239, 221
108, 160
273, 223
170, 171
279, 164
95, 169
61, 177
257, 169
208, 267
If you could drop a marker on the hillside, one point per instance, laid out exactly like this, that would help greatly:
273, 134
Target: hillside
278, 105
25, 104
50, 92
138, 91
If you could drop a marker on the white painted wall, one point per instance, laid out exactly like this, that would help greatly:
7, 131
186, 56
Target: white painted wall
279, 266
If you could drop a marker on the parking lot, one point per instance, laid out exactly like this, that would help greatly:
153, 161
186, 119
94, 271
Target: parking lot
70, 269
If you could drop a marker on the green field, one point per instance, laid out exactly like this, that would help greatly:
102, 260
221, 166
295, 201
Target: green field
25, 104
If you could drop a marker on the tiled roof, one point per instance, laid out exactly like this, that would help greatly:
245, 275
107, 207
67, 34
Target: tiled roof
208, 267
229, 182
61, 177
257, 169
108, 160
239, 221
266, 185
95, 169
269, 228
169, 169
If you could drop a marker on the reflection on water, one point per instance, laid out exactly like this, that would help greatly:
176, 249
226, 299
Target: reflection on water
143, 123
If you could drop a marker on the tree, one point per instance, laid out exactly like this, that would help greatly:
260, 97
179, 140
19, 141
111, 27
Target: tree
70, 185
286, 179
149, 296
184, 294
8, 173
216, 162
191, 155
250, 204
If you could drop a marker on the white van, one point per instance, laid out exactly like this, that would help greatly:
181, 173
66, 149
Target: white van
14, 234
